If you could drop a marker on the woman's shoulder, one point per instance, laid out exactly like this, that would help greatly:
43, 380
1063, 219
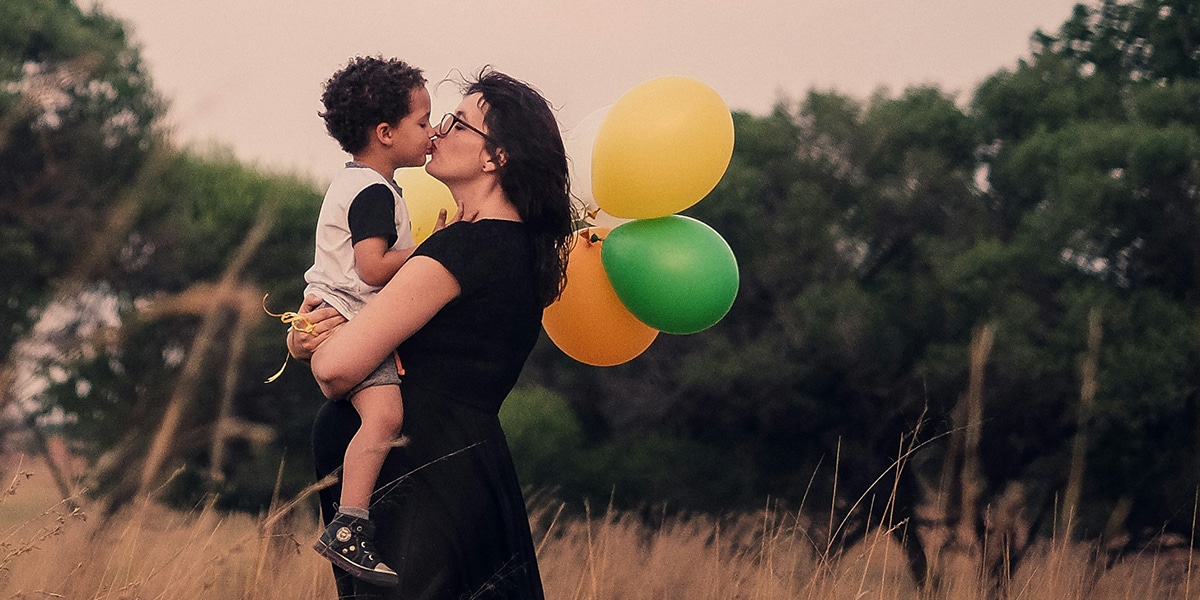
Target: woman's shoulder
479, 233
489, 225
480, 250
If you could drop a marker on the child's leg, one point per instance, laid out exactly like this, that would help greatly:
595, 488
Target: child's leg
348, 540
382, 411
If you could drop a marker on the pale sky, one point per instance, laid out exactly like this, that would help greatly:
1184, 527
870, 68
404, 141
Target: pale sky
247, 74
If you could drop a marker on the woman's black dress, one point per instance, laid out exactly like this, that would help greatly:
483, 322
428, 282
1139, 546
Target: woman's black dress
449, 512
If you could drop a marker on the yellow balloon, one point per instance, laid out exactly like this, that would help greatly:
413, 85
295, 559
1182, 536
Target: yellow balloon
425, 196
663, 146
589, 323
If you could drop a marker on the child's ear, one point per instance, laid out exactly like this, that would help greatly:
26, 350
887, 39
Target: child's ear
383, 134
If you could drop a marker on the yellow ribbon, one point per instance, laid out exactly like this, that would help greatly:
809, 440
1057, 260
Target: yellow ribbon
292, 319
279, 372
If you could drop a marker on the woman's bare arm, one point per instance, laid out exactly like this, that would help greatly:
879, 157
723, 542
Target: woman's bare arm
418, 291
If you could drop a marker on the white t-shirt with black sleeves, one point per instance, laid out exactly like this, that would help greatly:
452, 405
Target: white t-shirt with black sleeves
359, 204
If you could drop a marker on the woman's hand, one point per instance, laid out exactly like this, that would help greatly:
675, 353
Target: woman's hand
302, 344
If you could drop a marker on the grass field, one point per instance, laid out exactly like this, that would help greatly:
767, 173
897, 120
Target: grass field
50, 550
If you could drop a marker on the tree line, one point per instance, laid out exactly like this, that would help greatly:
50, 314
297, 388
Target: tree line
948, 309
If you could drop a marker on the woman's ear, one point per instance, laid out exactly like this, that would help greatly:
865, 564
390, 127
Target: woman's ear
496, 161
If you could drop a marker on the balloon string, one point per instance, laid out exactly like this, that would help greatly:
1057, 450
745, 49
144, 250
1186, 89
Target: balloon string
280, 371
589, 217
292, 319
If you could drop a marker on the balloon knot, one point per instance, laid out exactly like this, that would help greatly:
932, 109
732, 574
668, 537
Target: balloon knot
589, 237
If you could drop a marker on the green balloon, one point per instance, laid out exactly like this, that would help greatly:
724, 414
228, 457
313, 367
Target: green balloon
673, 273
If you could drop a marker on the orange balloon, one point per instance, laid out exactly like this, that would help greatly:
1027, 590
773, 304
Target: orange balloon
589, 323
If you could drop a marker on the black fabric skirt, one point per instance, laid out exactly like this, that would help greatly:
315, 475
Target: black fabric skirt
450, 516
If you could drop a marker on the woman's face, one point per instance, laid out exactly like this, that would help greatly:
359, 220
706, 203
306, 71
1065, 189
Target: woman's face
459, 151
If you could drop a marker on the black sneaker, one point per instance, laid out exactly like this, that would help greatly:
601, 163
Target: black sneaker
349, 542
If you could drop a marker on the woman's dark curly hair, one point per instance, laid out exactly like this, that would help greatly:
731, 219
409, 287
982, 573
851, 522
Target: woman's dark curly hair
370, 90
534, 176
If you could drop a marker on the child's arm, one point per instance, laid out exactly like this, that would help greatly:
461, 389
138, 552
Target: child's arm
376, 263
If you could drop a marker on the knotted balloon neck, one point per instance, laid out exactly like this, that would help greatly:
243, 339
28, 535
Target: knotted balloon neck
589, 237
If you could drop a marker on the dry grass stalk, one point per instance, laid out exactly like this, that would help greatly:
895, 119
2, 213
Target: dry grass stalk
1089, 366
210, 331
952, 545
225, 427
147, 551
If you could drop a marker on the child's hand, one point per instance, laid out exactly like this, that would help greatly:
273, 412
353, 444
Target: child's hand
459, 215
303, 342
464, 214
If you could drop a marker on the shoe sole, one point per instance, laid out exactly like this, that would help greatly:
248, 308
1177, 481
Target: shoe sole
372, 577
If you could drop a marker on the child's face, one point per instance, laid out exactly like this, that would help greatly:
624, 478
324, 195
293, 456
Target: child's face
411, 136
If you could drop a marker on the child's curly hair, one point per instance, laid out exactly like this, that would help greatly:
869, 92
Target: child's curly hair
370, 90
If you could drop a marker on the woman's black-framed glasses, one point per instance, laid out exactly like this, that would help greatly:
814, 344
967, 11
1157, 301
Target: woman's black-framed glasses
448, 122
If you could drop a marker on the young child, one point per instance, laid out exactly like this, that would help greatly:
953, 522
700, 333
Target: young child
378, 111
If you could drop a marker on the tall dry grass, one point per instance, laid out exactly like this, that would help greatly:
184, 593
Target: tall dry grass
48, 550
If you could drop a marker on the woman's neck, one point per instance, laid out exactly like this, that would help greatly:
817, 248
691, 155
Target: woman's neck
485, 200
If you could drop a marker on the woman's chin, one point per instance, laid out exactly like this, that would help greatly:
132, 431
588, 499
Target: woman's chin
432, 168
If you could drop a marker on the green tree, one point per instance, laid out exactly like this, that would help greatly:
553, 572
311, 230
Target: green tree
159, 362
77, 117
212, 237
878, 240
838, 212
1093, 154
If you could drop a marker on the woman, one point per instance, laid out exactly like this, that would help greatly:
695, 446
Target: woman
462, 314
